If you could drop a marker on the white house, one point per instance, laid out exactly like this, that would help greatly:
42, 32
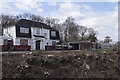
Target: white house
31, 35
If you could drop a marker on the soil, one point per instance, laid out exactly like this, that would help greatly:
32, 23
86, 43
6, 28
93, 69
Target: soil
63, 64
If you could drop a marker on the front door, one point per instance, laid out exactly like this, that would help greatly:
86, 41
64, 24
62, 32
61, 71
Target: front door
10, 45
38, 45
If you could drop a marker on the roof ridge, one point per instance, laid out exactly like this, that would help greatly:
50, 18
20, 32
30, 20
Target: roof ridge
34, 24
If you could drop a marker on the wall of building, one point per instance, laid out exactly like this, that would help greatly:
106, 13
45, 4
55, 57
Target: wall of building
33, 44
1, 41
47, 38
10, 31
42, 31
17, 45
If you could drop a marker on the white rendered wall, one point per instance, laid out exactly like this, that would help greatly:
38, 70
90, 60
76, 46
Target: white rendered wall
33, 44
34, 39
1, 41
17, 41
42, 31
10, 31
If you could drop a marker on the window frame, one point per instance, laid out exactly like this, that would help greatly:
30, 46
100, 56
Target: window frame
45, 35
37, 30
53, 33
24, 30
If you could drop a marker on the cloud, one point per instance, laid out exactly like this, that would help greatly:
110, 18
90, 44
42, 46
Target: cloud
52, 3
22, 6
28, 5
39, 10
63, 0
105, 22
4, 6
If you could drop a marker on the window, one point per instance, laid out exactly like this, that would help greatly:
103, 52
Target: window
24, 30
23, 42
37, 31
45, 35
53, 33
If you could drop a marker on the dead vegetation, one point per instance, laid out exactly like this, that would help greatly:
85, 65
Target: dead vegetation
67, 64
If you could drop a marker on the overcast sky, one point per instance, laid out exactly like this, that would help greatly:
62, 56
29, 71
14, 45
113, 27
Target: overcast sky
101, 16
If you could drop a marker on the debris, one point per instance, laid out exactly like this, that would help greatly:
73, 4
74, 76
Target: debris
87, 66
9, 63
104, 52
61, 65
46, 73
50, 55
26, 65
111, 60
23, 55
74, 55
87, 55
79, 58
29, 53
96, 57
85, 73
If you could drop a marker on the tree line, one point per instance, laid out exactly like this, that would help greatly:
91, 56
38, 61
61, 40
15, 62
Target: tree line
69, 30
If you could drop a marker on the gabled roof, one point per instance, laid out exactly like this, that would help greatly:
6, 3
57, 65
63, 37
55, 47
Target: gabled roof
30, 23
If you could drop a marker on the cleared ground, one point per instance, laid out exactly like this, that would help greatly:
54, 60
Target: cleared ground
61, 64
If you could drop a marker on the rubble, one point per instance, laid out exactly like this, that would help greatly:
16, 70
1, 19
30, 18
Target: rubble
62, 65
29, 53
104, 52
9, 63
50, 55
87, 66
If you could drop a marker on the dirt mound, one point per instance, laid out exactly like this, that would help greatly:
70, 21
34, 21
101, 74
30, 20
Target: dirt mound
68, 64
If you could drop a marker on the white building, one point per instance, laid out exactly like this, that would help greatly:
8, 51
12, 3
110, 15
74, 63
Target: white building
30, 35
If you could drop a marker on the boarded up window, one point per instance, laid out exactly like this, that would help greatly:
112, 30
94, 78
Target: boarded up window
5, 42
23, 42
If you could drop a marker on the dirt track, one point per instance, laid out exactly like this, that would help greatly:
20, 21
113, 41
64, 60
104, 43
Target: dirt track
67, 64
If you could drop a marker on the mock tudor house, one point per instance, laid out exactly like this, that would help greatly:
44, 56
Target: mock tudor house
29, 35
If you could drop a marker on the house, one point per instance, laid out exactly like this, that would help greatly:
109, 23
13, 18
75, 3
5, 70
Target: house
30, 35
106, 43
107, 46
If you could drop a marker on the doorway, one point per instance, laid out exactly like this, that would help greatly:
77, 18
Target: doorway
10, 45
38, 45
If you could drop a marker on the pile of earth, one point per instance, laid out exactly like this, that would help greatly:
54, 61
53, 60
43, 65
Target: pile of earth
64, 64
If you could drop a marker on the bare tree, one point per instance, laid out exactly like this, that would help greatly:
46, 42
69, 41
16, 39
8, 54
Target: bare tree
31, 17
82, 31
51, 21
8, 20
71, 29
91, 31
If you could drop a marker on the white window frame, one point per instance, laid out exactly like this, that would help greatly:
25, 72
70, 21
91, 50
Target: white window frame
24, 30
53, 33
45, 35
37, 31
